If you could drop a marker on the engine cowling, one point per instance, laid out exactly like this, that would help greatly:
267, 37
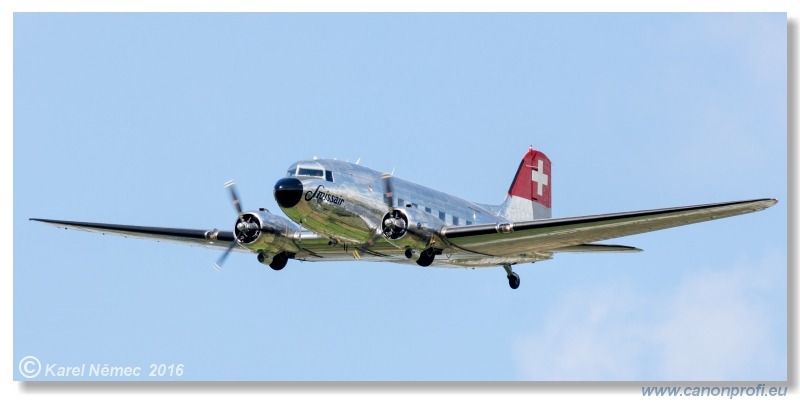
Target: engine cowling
264, 232
411, 229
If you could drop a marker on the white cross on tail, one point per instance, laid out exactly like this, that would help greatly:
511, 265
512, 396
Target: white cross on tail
539, 177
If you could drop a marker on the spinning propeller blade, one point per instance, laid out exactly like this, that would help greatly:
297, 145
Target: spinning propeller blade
388, 191
231, 186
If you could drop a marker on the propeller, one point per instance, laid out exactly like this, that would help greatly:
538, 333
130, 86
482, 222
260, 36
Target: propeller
231, 186
237, 205
388, 198
394, 222
218, 264
388, 191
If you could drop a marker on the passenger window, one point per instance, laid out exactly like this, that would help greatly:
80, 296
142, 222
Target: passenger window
427, 209
442, 216
455, 220
469, 222
329, 176
400, 203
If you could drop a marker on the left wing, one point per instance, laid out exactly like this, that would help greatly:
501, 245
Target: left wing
572, 234
213, 238
308, 245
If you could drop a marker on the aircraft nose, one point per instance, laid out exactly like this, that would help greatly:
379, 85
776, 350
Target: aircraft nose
288, 192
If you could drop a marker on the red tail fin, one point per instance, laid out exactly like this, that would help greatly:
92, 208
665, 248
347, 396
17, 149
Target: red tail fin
533, 179
529, 196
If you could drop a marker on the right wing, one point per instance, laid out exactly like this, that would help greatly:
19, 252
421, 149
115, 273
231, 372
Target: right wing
574, 233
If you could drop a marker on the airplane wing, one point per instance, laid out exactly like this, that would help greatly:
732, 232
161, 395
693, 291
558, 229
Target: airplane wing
562, 235
311, 246
213, 238
575, 233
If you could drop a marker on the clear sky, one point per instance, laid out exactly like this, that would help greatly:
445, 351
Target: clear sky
141, 118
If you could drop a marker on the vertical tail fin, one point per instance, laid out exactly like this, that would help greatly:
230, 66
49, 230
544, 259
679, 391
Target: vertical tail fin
529, 194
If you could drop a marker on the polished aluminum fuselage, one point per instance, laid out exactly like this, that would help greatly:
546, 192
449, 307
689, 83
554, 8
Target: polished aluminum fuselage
345, 206
350, 207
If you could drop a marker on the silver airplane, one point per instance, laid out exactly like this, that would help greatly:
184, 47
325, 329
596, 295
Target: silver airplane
344, 211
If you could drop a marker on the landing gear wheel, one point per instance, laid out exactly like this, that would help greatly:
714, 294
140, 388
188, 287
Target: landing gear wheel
426, 257
513, 280
279, 261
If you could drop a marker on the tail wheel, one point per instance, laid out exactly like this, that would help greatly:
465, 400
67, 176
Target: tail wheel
513, 280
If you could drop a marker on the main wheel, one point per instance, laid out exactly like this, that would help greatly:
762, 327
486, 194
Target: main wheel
279, 261
426, 257
513, 280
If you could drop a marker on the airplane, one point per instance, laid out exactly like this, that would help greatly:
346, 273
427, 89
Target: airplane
345, 211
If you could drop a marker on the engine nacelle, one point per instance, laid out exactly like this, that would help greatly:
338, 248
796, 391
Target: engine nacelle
264, 232
411, 229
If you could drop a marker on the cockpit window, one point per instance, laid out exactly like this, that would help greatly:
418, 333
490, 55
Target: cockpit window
315, 172
312, 171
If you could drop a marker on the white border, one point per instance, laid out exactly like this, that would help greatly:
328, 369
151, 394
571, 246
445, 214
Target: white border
18, 391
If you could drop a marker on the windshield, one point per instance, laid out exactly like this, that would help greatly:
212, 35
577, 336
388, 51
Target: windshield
312, 171
315, 172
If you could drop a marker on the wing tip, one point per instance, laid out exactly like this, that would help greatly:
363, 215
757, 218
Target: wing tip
765, 203
44, 220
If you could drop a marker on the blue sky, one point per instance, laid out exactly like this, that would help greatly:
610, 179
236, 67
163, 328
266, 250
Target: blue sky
141, 118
